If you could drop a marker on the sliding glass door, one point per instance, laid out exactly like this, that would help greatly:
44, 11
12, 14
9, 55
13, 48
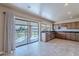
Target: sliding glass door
21, 32
34, 31
26, 32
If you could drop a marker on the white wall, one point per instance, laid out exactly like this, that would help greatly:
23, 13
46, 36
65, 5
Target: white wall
18, 14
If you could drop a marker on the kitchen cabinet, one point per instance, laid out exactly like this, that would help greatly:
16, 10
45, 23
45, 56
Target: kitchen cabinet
43, 37
57, 34
67, 36
68, 25
52, 35
72, 36
73, 25
77, 36
77, 25
64, 24
47, 35
60, 35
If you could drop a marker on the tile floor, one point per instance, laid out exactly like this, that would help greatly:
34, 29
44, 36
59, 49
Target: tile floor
55, 47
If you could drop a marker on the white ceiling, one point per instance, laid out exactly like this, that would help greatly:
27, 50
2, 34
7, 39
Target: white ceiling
52, 11
61, 12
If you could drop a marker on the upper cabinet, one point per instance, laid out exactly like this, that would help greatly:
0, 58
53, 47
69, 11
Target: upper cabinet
70, 25
73, 25
77, 25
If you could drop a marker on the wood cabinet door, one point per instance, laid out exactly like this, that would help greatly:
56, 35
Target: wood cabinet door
60, 35
57, 35
77, 25
64, 25
43, 37
72, 36
67, 36
77, 37
73, 25
48, 36
68, 25
52, 35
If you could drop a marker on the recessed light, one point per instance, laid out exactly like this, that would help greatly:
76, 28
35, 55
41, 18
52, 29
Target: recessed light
69, 13
66, 4
71, 17
28, 6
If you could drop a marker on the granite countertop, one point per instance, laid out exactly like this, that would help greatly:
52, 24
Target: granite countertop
48, 31
68, 30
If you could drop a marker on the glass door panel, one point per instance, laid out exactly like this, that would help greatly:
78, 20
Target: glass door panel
26, 32
43, 27
21, 32
34, 36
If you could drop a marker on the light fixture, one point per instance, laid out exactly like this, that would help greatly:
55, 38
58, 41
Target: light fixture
66, 4
69, 13
28, 6
71, 17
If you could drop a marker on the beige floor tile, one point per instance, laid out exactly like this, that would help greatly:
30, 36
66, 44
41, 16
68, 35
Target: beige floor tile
55, 47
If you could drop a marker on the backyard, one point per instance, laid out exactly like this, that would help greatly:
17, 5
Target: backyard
22, 31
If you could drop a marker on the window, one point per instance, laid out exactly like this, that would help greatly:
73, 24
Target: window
46, 27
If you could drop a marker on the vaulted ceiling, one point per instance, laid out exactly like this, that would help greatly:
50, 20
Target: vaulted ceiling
51, 11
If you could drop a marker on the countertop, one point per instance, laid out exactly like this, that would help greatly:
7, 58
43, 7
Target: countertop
68, 30
48, 31
64, 30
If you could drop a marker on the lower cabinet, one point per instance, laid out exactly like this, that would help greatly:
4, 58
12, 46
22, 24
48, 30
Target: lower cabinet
77, 25
67, 36
57, 35
46, 36
43, 37
77, 36
73, 36
52, 35
60, 35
